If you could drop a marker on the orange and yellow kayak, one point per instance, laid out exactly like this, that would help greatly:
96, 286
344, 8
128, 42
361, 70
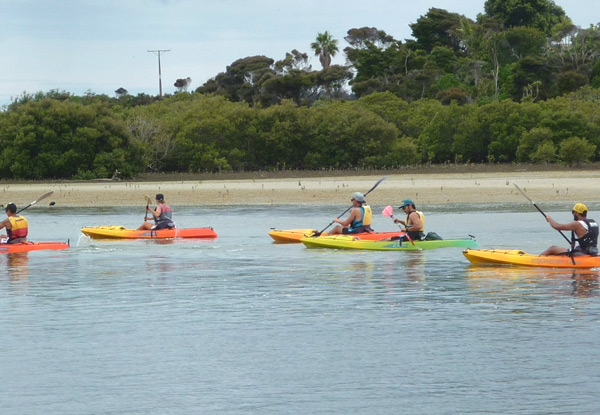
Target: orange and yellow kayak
518, 257
121, 232
295, 235
32, 246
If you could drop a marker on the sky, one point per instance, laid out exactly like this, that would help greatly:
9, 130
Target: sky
101, 45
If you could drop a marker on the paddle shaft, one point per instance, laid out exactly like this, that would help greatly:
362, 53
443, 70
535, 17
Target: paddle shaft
146, 211
42, 197
541, 211
346, 211
545, 216
405, 231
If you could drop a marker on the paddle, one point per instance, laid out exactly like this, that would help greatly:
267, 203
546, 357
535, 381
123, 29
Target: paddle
147, 206
388, 211
345, 211
542, 212
42, 197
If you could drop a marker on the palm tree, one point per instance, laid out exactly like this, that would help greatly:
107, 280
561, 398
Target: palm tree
325, 47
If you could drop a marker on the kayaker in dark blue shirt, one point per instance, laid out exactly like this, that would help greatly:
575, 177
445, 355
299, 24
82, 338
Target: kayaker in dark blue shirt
584, 233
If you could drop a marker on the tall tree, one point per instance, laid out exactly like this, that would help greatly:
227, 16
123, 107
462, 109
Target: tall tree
438, 27
539, 14
325, 48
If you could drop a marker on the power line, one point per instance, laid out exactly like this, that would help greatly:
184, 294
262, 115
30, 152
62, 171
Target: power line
158, 52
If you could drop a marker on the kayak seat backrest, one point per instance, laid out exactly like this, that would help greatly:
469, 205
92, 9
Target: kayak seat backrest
432, 236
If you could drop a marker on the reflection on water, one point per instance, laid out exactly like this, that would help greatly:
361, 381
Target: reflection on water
525, 280
17, 265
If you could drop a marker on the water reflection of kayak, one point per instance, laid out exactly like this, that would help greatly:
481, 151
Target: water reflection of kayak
350, 242
518, 257
121, 232
32, 246
295, 235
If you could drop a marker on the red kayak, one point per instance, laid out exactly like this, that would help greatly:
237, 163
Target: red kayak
32, 246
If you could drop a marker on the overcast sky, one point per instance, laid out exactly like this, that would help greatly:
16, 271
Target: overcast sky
101, 45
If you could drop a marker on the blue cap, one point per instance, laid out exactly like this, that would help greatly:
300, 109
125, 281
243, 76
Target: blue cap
406, 202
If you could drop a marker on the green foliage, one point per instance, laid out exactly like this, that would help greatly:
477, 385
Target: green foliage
576, 150
437, 28
51, 138
542, 15
544, 153
531, 140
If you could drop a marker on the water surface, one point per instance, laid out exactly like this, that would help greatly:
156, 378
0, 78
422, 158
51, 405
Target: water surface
242, 325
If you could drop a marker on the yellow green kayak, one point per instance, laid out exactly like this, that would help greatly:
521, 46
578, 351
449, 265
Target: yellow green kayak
351, 242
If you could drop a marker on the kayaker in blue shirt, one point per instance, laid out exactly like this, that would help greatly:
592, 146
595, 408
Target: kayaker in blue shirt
584, 233
162, 216
358, 221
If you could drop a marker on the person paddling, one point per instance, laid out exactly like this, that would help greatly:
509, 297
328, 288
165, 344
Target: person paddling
584, 233
414, 222
162, 215
358, 221
16, 226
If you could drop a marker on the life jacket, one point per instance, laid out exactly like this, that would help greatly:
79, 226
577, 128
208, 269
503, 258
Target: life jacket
366, 217
588, 243
165, 219
422, 217
19, 227
166, 214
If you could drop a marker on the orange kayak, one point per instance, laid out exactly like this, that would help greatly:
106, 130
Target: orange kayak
295, 235
121, 232
518, 257
32, 246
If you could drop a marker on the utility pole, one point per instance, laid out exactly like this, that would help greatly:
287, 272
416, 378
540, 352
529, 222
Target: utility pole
158, 52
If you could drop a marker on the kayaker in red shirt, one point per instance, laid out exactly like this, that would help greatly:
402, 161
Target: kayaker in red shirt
162, 216
16, 226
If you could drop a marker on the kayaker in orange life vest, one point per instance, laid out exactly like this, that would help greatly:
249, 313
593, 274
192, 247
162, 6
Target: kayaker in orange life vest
358, 221
415, 220
16, 226
584, 233
162, 216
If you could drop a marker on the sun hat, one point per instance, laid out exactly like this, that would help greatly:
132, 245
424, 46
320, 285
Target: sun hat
406, 202
359, 197
580, 208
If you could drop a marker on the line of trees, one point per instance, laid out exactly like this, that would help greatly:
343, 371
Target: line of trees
518, 84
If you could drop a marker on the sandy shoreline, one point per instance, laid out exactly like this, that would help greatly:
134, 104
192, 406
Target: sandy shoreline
490, 187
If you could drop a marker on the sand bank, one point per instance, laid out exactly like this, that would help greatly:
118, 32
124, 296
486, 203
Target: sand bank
487, 187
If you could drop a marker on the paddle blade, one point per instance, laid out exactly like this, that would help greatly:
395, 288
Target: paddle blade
388, 212
42, 197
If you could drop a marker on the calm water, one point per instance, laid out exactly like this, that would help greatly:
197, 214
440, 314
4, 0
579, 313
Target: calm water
242, 325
